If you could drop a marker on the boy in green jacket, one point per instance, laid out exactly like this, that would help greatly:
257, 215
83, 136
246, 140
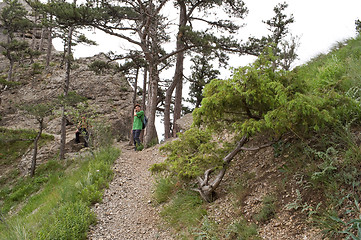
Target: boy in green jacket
137, 125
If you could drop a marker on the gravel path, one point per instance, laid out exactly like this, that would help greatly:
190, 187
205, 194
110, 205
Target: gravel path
127, 211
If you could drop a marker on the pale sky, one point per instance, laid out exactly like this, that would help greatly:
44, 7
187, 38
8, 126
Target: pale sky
319, 23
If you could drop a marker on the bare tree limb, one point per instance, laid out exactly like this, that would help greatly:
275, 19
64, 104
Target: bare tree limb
226, 160
257, 148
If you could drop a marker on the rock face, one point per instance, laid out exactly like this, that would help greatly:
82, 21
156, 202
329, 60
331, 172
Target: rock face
33, 36
109, 95
185, 122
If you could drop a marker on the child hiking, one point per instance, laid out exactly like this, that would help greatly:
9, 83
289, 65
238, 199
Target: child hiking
137, 125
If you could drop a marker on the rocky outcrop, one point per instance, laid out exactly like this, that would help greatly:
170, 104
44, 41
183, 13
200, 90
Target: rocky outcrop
185, 122
109, 95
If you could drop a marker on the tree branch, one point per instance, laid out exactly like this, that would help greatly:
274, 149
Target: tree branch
175, 52
257, 148
226, 160
107, 30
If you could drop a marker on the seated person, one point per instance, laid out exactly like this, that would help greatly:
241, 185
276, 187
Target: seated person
82, 128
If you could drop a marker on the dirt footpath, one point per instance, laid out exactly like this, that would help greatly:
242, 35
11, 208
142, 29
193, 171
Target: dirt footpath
127, 210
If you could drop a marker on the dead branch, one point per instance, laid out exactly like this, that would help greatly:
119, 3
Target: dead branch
206, 189
257, 148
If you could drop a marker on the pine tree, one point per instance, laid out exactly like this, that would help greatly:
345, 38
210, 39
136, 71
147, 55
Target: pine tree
14, 20
358, 26
283, 49
201, 41
39, 111
68, 17
140, 23
202, 74
249, 102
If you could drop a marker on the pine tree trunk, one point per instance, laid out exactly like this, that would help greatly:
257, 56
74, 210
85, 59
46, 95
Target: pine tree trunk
177, 106
151, 133
33, 37
206, 188
11, 67
144, 95
134, 102
167, 103
66, 90
178, 76
41, 44
63, 133
151, 49
35, 153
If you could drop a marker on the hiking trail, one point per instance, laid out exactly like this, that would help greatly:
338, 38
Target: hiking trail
127, 210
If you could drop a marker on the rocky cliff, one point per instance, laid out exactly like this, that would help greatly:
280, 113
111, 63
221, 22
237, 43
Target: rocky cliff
109, 95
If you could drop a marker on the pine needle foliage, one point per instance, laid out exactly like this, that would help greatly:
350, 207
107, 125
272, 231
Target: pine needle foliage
259, 99
189, 156
319, 103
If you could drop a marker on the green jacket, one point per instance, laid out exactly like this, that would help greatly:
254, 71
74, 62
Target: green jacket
138, 121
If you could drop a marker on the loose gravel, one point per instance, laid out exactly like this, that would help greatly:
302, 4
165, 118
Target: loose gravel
127, 210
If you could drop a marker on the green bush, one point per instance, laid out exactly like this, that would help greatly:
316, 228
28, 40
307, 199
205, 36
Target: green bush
99, 66
36, 68
139, 146
101, 135
189, 156
91, 194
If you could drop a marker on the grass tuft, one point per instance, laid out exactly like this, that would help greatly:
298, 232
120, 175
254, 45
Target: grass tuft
164, 188
185, 211
267, 211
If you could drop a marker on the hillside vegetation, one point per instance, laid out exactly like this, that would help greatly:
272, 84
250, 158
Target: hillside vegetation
299, 140
295, 168
55, 204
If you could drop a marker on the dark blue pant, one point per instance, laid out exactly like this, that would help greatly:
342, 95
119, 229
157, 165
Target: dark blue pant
85, 133
136, 139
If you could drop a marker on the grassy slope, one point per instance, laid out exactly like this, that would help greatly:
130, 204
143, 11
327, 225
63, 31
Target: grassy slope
329, 166
324, 168
334, 157
55, 204
13, 144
